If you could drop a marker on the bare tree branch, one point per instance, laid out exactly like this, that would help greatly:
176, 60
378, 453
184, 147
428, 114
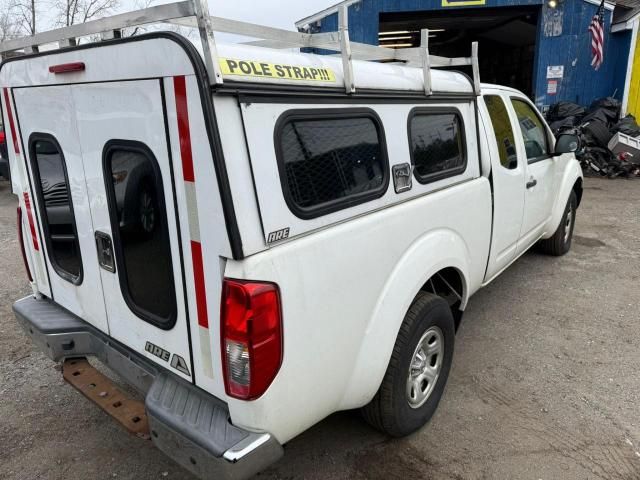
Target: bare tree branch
9, 23
137, 5
25, 14
72, 12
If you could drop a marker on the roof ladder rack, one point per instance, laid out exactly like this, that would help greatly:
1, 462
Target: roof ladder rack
207, 37
345, 49
195, 14
67, 36
426, 61
475, 67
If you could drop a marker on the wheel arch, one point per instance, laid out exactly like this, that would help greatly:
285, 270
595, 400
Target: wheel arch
441, 253
450, 284
577, 188
570, 181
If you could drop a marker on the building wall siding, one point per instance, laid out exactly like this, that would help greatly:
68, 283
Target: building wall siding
562, 39
581, 83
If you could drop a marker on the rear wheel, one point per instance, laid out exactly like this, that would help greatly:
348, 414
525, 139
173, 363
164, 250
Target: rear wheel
418, 370
560, 242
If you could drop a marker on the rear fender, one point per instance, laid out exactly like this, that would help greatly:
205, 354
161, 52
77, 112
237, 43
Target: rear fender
429, 254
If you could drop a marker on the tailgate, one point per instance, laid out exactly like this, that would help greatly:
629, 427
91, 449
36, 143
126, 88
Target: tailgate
120, 172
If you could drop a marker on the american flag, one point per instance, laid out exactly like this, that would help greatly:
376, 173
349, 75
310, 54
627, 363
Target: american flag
597, 37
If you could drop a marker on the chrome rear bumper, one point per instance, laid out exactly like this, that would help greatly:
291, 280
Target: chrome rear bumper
189, 425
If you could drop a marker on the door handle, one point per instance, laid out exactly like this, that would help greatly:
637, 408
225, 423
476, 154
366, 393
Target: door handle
531, 183
104, 247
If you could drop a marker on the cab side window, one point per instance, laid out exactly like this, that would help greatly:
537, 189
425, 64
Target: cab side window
503, 131
534, 135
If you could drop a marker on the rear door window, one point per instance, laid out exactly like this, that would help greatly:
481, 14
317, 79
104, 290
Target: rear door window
140, 231
56, 208
503, 131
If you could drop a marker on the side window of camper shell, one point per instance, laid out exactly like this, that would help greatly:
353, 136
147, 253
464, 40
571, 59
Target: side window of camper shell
330, 159
437, 145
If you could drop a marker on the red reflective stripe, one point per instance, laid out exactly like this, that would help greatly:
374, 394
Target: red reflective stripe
32, 227
180, 90
22, 250
198, 277
7, 103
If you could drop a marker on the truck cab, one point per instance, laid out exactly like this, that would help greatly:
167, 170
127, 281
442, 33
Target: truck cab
522, 153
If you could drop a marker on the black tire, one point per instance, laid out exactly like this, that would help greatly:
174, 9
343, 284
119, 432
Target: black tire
390, 411
560, 243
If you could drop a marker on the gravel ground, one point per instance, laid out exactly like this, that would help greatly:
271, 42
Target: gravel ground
544, 385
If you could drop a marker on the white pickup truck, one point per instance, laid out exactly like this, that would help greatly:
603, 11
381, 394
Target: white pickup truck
257, 238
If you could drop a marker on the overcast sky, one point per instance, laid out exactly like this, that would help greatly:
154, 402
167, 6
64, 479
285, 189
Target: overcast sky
283, 13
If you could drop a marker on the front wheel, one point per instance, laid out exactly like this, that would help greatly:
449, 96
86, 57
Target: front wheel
560, 242
418, 370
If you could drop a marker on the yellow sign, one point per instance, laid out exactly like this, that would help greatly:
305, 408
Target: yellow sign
462, 3
246, 68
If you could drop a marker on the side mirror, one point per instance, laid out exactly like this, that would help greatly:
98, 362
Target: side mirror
567, 143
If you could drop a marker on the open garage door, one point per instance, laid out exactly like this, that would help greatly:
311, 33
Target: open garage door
506, 36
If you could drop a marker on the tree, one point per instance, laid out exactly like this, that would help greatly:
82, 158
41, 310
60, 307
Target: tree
73, 12
25, 13
9, 25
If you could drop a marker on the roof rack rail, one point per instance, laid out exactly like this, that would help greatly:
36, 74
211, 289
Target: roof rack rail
194, 13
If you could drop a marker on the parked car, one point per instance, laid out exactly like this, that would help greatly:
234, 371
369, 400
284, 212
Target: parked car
318, 226
4, 156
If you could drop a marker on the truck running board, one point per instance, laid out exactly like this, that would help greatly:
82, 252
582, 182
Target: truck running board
101, 390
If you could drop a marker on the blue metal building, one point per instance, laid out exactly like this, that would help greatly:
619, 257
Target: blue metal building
541, 47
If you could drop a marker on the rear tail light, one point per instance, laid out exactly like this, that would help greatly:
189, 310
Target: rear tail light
251, 337
21, 241
3, 139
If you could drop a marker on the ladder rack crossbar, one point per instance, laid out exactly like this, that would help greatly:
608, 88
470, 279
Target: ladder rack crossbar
136, 18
